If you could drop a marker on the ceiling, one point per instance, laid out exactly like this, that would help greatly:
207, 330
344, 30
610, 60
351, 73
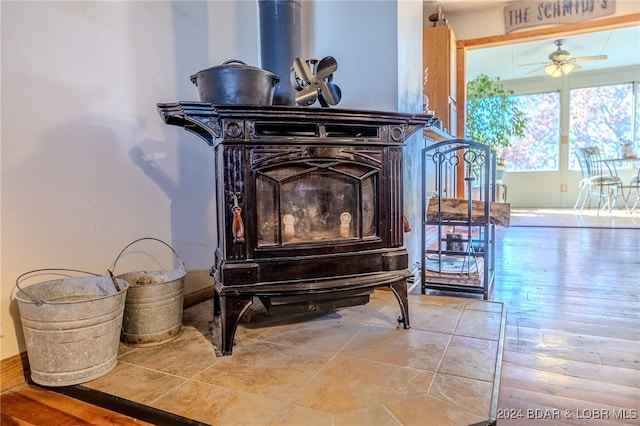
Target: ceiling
527, 59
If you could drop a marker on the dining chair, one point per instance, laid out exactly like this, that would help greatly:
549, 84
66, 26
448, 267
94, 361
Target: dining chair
583, 184
634, 186
599, 179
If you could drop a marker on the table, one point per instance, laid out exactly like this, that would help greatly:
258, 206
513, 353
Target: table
632, 185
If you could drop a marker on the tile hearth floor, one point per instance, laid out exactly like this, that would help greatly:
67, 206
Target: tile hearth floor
351, 366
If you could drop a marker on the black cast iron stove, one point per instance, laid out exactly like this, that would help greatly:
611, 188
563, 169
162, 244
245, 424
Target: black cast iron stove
309, 205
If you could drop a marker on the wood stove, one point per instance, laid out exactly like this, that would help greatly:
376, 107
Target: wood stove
309, 206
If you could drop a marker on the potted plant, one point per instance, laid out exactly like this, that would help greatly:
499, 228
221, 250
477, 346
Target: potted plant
492, 116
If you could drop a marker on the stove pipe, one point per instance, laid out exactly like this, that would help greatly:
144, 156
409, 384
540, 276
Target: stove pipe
280, 44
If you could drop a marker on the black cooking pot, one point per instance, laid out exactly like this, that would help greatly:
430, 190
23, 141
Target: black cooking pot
235, 82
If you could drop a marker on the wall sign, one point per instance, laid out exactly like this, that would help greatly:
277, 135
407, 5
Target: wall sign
524, 14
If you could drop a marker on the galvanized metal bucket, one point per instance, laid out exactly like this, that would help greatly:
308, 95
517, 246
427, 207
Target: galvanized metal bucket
153, 307
71, 325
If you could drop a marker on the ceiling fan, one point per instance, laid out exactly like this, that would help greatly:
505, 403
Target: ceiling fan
562, 62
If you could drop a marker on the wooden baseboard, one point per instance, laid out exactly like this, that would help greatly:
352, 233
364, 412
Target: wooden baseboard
14, 369
198, 296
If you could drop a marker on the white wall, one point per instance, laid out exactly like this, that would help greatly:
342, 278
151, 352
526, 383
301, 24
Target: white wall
410, 74
362, 36
87, 164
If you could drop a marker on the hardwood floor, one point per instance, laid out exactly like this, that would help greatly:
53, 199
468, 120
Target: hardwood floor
572, 347
569, 218
27, 405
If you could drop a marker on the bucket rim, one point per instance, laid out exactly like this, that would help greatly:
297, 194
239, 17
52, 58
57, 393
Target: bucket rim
30, 299
180, 274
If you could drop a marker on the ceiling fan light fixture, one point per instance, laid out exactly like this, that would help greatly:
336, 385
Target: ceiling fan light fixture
566, 68
557, 70
552, 70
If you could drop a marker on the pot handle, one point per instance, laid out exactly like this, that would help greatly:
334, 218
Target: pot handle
232, 61
194, 78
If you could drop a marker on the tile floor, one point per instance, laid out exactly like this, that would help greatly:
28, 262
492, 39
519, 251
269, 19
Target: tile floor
351, 366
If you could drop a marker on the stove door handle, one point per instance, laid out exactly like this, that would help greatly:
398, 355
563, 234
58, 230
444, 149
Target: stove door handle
406, 227
237, 226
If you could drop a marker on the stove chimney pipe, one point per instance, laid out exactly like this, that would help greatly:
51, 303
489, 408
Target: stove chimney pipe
280, 44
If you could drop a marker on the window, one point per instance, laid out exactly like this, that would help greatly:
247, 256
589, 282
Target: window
637, 122
538, 150
600, 116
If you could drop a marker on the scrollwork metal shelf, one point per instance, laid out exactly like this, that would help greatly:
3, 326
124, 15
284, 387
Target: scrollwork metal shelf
458, 254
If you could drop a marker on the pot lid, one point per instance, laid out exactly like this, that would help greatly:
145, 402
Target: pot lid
236, 63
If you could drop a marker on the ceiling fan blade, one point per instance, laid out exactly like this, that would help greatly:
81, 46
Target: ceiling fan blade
536, 70
590, 58
534, 63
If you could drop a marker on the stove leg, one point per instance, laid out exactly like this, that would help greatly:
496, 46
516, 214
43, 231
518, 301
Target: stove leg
227, 311
399, 290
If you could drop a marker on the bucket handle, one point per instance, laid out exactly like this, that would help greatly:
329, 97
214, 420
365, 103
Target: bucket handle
36, 300
180, 261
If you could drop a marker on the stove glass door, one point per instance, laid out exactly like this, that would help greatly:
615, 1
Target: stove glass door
316, 202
